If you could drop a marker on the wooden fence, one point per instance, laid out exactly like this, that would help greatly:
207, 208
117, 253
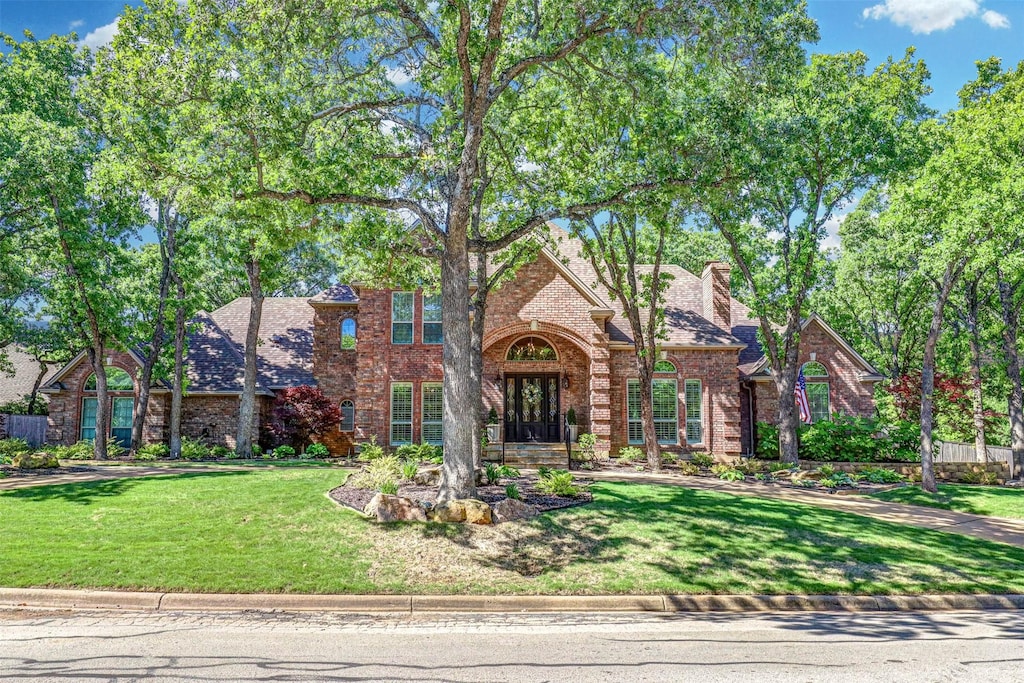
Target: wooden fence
32, 428
952, 451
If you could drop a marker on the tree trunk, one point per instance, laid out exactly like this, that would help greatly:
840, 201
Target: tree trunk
99, 444
247, 403
973, 313
458, 478
177, 382
645, 376
1011, 332
787, 417
34, 396
928, 378
477, 366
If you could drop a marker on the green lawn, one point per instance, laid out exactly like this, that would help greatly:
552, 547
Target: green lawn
979, 500
276, 531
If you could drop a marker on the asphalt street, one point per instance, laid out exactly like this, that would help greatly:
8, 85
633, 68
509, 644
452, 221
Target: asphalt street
40, 645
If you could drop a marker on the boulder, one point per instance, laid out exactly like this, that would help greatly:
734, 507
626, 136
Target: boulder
35, 461
477, 511
388, 508
511, 509
428, 476
452, 511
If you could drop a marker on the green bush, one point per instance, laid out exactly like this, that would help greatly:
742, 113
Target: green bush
492, 474
767, 446
980, 477
83, 450
389, 487
558, 483
847, 439
586, 443
221, 452
317, 450
750, 466
669, 458
370, 450
284, 452
837, 480
409, 469
115, 449
377, 472
702, 459
12, 447
688, 468
881, 475
153, 451
630, 454
727, 472
512, 491
508, 472
903, 441
194, 450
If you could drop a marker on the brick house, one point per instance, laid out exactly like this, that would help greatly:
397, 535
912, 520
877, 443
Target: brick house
553, 341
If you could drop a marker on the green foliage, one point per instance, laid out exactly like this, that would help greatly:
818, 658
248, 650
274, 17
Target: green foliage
558, 483
423, 452
702, 459
847, 439
630, 454
980, 476
508, 472
194, 450
689, 469
570, 416
370, 450
317, 450
751, 466
115, 449
492, 474
409, 469
389, 487
512, 491
82, 450
881, 475
153, 451
12, 447
838, 480
377, 473
767, 447
284, 452
669, 458
492, 416
20, 406
726, 472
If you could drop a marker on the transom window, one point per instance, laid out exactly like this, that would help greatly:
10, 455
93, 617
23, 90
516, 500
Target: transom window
401, 413
531, 348
664, 366
117, 380
348, 334
666, 411
694, 411
432, 331
348, 416
817, 391
432, 415
401, 317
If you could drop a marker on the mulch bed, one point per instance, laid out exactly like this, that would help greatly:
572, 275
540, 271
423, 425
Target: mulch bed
14, 472
358, 498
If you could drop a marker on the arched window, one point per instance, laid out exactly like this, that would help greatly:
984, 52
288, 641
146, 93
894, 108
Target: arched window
348, 416
348, 334
817, 390
117, 380
664, 366
531, 348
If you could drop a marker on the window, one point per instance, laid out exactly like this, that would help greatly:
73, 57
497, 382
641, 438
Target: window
531, 348
348, 334
401, 413
432, 332
121, 420
666, 411
817, 392
117, 380
432, 417
348, 416
88, 419
401, 317
694, 411
664, 366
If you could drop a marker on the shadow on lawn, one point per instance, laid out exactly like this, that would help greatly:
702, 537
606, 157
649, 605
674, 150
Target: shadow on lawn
978, 500
669, 537
87, 492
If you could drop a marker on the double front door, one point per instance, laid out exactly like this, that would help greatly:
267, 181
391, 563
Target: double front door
532, 408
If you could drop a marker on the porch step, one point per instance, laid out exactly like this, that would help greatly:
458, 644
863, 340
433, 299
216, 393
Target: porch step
530, 455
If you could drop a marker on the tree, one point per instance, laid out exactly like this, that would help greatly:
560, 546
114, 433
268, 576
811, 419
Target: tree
810, 147
301, 413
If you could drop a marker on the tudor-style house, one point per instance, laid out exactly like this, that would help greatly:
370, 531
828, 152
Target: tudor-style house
553, 341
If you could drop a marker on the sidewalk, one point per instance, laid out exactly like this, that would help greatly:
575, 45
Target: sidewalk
105, 473
997, 529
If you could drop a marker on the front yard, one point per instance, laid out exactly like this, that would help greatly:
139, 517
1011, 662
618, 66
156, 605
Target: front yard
978, 500
276, 531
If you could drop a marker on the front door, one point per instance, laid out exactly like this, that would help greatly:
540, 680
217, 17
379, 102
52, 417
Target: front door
531, 408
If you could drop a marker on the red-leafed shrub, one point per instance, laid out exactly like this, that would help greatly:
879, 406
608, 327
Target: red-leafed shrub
301, 413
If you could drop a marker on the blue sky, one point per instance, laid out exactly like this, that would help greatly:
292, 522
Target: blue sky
950, 35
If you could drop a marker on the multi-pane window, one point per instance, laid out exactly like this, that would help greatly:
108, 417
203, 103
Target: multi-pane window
694, 412
401, 413
348, 416
817, 392
664, 366
88, 419
348, 334
432, 416
117, 380
121, 420
666, 411
401, 317
432, 332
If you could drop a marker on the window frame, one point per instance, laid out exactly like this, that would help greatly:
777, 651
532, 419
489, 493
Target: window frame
107, 370
431, 323
699, 419
432, 423
125, 436
634, 418
814, 383
352, 416
81, 418
342, 335
392, 422
663, 362
395, 322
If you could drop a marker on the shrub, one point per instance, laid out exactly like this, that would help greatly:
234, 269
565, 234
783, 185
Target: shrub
115, 449
82, 450
702, 459
492, 416
751, 466
317, 450
409, 469
727, 472
688, 468
12, 447
389, 487
558, 483
301, 413
152, 451
284, 452
903, 441
512, 491
194, 450
767, 446
837, 480
370, 450
508, 472
980, 477
774, 467
492, 474
220, 451
257, 450
377, 472
423, 452
630, 454
669, 458
827, 470
881, 475
586, 443
570, 416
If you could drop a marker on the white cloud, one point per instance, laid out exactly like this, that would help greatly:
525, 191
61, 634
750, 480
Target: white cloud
831, 240
926, 16
995, 19
101, 36
399, 76
77, 23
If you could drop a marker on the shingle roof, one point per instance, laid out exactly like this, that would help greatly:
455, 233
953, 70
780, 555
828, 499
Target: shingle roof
26, 369
336, 294
213, 364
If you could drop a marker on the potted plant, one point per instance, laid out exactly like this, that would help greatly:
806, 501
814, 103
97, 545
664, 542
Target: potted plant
570, 420
493, 429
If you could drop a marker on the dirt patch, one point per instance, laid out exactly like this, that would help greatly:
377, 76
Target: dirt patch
15, 473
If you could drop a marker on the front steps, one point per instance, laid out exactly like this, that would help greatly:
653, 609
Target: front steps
529, 455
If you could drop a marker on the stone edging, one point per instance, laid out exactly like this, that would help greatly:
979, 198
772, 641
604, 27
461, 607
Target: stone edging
209, 602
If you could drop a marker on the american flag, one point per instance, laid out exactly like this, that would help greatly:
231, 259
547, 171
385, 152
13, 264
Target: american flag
800, 391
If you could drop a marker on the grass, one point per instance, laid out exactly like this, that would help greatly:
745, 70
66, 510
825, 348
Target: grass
978, 500
275, 531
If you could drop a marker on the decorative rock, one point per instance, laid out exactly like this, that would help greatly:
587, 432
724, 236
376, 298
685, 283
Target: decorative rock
428, 476
477, 511
35, 461
388, 508
511, 509
452, 511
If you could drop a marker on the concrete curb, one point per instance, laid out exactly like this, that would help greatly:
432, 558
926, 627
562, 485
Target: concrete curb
420, 604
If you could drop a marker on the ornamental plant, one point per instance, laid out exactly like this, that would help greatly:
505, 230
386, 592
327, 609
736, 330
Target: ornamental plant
301, 413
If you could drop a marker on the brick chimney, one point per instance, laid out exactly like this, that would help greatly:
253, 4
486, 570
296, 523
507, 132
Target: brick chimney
715, 286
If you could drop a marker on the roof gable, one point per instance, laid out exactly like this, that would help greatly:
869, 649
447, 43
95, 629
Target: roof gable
870, 372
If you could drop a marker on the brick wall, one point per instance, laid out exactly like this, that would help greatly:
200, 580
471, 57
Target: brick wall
214, 419
944, 471
335, 368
